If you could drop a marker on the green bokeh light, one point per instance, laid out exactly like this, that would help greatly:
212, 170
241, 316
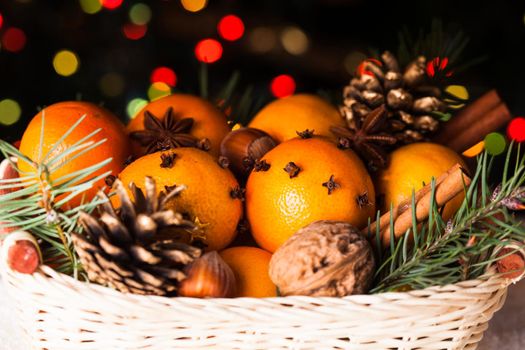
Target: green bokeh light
495, 143
10, 112
140, 14
158, 90
135, 105
90, 6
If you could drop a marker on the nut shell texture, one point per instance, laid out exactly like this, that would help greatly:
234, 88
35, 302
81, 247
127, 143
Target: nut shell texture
325, 258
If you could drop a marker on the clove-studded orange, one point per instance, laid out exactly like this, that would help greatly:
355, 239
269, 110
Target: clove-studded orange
58, 119
282, 118
178, 120
212, 197
306, 179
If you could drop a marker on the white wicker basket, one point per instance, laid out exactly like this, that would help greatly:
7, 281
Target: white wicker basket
57, 312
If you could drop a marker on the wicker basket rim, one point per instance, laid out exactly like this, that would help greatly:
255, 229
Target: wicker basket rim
48, 274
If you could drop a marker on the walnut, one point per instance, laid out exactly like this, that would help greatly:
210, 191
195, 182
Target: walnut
325, 258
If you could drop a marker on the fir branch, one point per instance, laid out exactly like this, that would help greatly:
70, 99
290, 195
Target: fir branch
38, 202
438, 253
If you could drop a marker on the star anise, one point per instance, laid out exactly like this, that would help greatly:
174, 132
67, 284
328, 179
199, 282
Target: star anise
165, 133
366, 138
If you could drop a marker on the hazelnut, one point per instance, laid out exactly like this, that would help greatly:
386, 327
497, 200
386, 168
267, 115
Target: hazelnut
208, 277
22, 252
243, 147
325, 258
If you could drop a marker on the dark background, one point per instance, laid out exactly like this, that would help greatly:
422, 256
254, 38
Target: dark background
334, 28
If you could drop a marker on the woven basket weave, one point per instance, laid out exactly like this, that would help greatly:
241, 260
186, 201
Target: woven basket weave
57, 312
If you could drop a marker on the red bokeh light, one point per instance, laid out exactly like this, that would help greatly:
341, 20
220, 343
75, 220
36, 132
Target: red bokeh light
230, 28
164, 75
282, 86
14, 39
134, 31
516, 129
362, 69
208, 50
111, 4
1, 20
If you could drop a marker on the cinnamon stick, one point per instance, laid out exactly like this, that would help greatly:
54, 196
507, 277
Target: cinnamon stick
485, 115
448, 185
490, 122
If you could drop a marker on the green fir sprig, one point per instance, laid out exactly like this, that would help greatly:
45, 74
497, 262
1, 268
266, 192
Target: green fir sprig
438, 253
437, 42
38, 203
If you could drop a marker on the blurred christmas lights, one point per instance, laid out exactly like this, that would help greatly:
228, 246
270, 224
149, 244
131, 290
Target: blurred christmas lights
352, 61
111, 4
164, 75
140, 14
158, 90
516, 129
134, 31
65, 63
14, 39
294, 41
208, 50
90, 6
475, 150
194, 5
112, 84
495, 143
457, 91
134, 106
262, 40
282, 85
230, 28
10, 112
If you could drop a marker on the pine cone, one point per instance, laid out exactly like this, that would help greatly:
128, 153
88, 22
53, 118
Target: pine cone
411, 99
140, 248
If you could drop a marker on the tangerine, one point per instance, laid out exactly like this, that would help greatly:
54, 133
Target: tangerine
283, 118
250, 266
58, 119
306, 180
410, 168
208, 121
211, 198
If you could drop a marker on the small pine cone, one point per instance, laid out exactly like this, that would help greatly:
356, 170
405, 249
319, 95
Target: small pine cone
140, 248
409, 94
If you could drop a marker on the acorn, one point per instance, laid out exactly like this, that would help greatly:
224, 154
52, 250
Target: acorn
243, 148
22, 252
208, 277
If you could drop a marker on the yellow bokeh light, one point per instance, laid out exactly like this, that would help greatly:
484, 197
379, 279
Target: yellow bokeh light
194, 5
458, 91
352, 60
294, 40
10, 112
158, 90
475, 150
140, 14
112, 84
65, 63
135, 105
262, 39
90, 6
